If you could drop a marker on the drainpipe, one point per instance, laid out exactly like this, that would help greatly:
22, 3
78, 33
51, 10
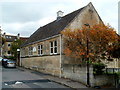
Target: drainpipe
60, 55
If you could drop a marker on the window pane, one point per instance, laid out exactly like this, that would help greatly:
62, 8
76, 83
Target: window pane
51, 44
55, 50
51, 50
41, 46
32, 48
38, 51
29, 50
41, 52
38, 47
8, 52
8, 44
55, 43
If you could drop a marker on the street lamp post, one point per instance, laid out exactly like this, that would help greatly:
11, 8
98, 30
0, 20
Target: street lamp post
18, 57
87, 53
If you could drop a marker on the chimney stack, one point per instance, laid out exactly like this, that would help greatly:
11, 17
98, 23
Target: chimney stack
59, 14
4, 35
18, 36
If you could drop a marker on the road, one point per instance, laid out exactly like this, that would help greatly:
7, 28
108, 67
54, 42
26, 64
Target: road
17, 78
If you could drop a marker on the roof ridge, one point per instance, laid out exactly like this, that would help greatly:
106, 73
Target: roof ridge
53, 28
62, 17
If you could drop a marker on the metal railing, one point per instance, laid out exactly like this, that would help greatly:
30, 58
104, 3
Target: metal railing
112, 70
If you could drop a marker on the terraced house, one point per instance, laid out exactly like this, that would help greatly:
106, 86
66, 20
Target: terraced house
9, 39
43, 51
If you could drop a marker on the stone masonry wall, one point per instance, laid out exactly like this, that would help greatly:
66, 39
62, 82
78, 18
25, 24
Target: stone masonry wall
100, 80
79, 73
45, 64
87, 16
76, 72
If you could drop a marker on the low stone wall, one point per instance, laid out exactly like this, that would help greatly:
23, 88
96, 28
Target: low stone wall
100, 80
79, 73
76, 72
45, 64
51, 65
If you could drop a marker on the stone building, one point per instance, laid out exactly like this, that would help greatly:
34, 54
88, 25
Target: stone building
43, 51
8, 41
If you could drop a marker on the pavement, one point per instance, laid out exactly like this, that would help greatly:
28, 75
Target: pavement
63, 81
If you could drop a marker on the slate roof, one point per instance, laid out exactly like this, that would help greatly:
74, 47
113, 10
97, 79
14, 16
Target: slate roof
52, 29
24, 39
11, 38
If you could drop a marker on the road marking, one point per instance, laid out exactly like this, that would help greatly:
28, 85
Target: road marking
27, 81
6, 84
18, 82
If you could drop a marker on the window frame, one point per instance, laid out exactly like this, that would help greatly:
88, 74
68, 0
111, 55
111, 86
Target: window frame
30, 51
40, 49
9, 44
53, 47
8, 52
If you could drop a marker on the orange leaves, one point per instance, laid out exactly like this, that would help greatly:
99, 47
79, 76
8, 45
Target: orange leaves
106, 33
82, 53
77, 53
91, 54
67, 51
98, 38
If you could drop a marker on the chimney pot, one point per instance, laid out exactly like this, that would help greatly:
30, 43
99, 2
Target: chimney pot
18, 36
59, 14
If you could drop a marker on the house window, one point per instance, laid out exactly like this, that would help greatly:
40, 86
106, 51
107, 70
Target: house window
8, 45
8, 52
30, 50
53, 47
40, 49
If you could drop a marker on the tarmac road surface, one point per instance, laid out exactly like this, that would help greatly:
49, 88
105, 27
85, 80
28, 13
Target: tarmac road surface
16, 78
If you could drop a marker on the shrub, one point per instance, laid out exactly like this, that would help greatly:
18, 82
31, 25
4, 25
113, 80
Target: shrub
98, 68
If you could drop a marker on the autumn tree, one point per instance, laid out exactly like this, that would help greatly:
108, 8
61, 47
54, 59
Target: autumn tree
3, 40
89, 42
14, 46
115, 51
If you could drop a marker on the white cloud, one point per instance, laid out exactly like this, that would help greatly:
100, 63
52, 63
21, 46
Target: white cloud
45, 21
26, 29
26, 18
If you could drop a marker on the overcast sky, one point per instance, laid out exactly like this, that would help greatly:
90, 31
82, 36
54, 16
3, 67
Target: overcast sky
26, 16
